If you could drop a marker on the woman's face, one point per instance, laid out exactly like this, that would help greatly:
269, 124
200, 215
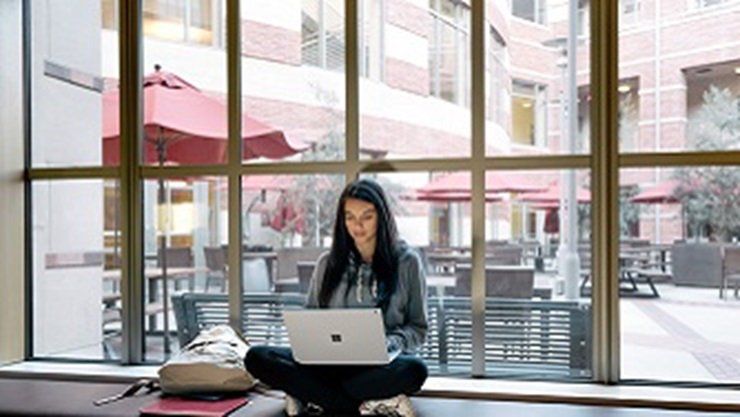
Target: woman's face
361, 220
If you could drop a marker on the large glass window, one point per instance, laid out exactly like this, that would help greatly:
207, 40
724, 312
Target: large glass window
190, 21
69, 82
288, 223
678, 228
691, 104
183, 220
449, 60
500, 81
679, 263
322, 33
404, 118
300, 107
528, 113
538, 254
532, 10
184, 103
76, 292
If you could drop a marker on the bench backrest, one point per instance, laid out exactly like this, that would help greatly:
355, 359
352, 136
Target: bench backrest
536, 335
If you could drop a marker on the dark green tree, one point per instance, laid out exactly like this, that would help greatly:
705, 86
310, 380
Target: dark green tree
711, 195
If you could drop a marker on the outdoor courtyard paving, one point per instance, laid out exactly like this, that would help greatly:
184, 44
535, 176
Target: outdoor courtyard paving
688, 335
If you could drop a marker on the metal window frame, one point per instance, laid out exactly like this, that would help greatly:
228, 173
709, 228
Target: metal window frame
604, 163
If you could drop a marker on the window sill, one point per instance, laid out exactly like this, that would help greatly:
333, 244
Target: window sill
704, 399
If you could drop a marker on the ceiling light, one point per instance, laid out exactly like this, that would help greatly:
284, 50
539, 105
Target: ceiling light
526, 104
624, 88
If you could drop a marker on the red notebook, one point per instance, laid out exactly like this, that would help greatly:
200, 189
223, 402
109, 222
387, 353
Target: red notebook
178, 406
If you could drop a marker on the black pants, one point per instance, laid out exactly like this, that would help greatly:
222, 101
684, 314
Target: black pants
336, 388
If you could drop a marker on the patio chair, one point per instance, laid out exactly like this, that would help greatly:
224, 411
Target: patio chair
216, 264
305, 272
502, 281
730, 271
504, 255
697, 264
179, 258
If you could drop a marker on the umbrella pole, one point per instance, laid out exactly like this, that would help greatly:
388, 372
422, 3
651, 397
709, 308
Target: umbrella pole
163, 260
161, 196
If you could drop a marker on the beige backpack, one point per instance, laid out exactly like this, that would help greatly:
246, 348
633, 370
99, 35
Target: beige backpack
211, 364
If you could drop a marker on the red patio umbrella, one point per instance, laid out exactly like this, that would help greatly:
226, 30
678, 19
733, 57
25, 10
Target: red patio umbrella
551, 195
449, 196
661, 193
496, 182
185, 126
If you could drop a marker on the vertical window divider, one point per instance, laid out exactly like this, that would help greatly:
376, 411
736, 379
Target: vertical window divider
322, 35
234, 91
26, 346
352, 91
478, 153
605, 191
131, 204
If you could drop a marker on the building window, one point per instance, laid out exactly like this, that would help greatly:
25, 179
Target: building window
448, 51
189, 21
500, 81
372, 39
629, 12
699, 4
584, 17
532, 10
322, 35
528, 113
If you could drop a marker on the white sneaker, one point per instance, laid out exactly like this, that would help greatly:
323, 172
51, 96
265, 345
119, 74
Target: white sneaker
293, 406
398, 406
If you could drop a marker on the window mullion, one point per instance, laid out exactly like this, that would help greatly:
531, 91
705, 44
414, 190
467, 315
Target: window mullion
352, 91
131, 204
478, 151
322, 34
233, 91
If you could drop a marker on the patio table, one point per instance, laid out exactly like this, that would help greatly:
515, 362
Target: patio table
153, 275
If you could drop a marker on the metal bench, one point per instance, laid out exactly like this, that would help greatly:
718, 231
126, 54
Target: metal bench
535, 337
521, 336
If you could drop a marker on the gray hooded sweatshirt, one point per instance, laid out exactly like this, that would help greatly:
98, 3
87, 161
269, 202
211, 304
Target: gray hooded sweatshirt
405, 317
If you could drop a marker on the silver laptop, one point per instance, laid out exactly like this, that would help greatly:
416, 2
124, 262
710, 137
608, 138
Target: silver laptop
337, 336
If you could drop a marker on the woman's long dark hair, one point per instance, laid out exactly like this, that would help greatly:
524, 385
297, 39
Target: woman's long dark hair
387, 244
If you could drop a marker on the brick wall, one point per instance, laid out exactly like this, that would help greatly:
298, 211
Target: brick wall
269, 42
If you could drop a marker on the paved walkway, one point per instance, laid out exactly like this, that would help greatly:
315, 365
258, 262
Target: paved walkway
687, 335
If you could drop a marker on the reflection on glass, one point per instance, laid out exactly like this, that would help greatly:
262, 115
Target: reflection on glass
76, 297
680, 265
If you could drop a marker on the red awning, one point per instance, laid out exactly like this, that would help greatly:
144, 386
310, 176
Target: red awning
185, 126
496, 182
450, 196
551, 195
661, 193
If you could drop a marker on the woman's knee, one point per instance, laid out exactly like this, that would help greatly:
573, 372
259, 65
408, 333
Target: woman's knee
417, 372
257, 358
